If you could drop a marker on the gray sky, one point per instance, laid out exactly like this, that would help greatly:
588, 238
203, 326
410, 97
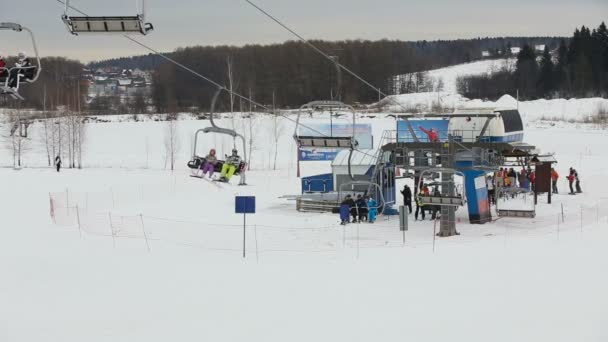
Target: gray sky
213, 22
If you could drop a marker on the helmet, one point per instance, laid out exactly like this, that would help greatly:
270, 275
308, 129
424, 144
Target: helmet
234, 151
212, 151
22, 55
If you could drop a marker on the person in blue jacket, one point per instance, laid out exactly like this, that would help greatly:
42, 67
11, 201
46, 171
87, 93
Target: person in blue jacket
372, 210
345, 209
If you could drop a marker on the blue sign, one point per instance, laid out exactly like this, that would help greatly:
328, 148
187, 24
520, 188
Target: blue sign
363, 132
244, 205
316, 155
421, 130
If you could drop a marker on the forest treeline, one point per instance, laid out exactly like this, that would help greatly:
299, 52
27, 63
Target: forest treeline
290, 74
285, 75
576, 68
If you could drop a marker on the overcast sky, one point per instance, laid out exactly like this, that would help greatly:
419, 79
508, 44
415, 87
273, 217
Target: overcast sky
213, 22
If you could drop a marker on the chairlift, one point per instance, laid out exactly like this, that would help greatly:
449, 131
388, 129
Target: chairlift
108, 24
450, 198
198, 161
24, 74
378, 189
515, 202
325, 142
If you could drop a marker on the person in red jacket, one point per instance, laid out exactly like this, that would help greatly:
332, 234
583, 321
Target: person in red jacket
432, 134
3, 72
571, 177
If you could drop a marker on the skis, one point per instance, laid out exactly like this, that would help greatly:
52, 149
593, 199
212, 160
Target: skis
214, 182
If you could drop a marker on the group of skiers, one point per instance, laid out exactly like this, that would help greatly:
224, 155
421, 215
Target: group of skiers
420, 208
364, 208
229, 168
526, 179
22, 62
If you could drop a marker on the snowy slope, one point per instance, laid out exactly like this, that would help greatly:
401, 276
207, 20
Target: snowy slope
579, 110
449, 75
305, 277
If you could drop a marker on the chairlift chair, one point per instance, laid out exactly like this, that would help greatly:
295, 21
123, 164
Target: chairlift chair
515, 202
24, 74
453, 199
108, 24
198, 160
325, 142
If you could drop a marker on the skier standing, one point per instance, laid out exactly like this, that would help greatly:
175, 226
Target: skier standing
578, 183
361, 206
554, 179
345, 209
571, 179
58, 163
407, 197
491, 192
372, 210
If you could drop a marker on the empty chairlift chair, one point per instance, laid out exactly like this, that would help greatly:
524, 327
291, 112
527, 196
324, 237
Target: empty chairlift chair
107, 24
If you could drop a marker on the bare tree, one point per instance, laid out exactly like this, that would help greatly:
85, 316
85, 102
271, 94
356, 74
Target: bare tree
17, 139
172, 145
278, 128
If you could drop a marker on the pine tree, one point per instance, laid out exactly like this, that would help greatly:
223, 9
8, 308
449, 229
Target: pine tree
561, 77
526, 73
545, 78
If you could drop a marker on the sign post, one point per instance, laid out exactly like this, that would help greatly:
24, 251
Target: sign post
403, 224
244, 205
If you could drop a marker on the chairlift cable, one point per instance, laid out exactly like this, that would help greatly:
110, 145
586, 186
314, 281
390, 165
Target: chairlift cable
321, 52
184, 67
219, 86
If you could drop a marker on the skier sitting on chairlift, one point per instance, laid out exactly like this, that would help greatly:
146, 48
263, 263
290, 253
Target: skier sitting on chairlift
23, 62
230, 166
209, 165
3, 72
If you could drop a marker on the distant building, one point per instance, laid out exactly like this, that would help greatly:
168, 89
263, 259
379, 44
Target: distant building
485, 53
540, 48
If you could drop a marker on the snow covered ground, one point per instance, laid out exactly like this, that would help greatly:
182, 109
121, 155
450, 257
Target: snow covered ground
448, 98
305, 277
449, 75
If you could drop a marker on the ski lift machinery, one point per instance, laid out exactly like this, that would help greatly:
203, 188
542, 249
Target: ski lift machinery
335, 142
108, 24
24, 74
219, 130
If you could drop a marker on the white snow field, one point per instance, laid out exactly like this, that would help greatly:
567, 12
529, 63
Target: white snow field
449, 75
145, 254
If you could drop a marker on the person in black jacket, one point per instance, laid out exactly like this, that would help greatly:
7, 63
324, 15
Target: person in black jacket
407, 197
361, 206
58, 163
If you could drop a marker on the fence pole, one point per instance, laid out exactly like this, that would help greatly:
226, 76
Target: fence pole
244, 233
78, 220
143, 229
112, 194
558, 223
67, 198
255, 234
434, 234
112, 230
581, 219
563, 218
